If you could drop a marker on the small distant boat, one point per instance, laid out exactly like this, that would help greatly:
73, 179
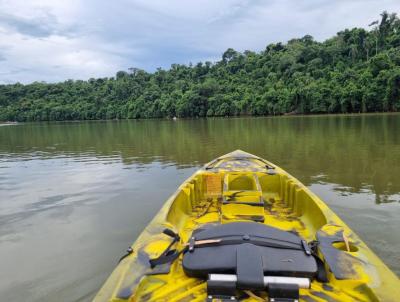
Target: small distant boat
243, 229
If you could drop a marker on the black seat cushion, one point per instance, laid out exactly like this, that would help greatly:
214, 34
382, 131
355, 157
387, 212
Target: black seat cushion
222, 258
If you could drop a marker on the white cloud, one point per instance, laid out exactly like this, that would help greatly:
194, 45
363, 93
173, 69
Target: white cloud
56, 40
54, 58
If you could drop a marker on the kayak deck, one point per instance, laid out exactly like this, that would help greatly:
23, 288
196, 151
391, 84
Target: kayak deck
354, 272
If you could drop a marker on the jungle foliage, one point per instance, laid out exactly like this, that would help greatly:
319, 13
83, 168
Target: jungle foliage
357, 70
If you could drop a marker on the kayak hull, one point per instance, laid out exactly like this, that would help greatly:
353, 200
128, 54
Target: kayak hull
355, 273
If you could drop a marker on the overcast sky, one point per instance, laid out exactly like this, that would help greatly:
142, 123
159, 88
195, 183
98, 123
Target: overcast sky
54, 40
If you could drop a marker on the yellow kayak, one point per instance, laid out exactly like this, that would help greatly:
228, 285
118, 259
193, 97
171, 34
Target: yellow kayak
243, 229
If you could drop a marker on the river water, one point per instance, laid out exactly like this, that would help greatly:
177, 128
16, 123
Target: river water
74, 196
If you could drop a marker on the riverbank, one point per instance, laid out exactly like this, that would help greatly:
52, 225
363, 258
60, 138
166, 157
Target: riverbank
212, 117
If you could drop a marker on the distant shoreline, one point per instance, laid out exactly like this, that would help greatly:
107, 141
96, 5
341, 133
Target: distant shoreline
9, 123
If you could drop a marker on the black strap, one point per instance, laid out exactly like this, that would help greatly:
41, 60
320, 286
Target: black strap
259, 241
171, 233
283, 292
171, 255
263, 238
322, 275
321, 271
167, 255
249, 270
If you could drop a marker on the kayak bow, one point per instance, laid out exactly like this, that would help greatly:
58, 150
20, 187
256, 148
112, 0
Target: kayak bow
243, 229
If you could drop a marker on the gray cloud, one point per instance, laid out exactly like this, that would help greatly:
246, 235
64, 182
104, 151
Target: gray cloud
43, 25
39, 27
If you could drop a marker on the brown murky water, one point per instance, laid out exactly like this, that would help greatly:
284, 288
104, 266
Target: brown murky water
73, 196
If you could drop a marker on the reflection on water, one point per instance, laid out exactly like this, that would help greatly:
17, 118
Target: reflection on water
74, 195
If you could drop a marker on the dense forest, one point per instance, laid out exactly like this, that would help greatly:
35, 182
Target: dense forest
357, 70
